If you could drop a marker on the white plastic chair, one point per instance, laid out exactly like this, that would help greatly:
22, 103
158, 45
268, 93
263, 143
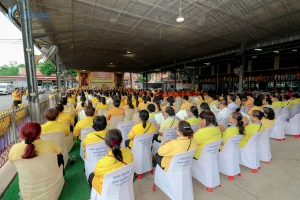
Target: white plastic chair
224, 122
285, 110
244, 109
117, 185
248, 155
135, 118
169, 134
81, 115
70, 141
194, 128
292, 127
228, 158
83, 133
295, 110
153, 121
205, 169
40, 177
94, 151
58, 138
125, 128
114, 120
101, 111
277, 111
129, 115
264, 149
176, 183
142, 153
278, 129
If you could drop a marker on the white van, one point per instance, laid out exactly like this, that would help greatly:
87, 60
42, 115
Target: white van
6, 88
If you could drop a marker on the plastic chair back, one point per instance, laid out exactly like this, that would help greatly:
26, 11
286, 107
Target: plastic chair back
295, 110
169, 134
114, 120
125, 128
129, 114
101, 111
264, 149
83, 133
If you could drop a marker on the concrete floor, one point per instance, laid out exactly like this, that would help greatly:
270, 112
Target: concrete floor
275, 181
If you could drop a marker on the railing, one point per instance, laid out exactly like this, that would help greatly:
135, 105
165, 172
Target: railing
10, 123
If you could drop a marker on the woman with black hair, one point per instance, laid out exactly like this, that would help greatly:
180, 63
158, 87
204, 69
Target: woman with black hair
157, 104
136, 100
194, 116
204, 106
99, 125
267, 102
237, 127
144, 104
129, 104
170, 103
141, 128
208, 131
257, 105
115, 110
253, 128
64, 117
269, 117
102, 104
151, 109
184, 142
116, 158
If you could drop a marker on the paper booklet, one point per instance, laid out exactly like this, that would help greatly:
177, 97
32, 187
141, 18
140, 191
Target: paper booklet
182, 114
159, 118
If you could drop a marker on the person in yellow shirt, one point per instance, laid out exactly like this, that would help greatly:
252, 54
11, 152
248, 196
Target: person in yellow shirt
200, 99
215, 101
276, 102
94, 99
184, 142
70, 99
129, 104
86, 122
253, 128
170, 122
26, 92
208, 99
250, 100
285, 100
116, 158
115, 111
208, 131
17, 97
257, 105
295, 100
143, 104
204, 106
151, 109
102, 104
237, 127
267, 102
194, 116
269, 118
99, 125
141, 128
170, 103
67, 109
157, 104
64, 117
52, 126
186, 105
80, 105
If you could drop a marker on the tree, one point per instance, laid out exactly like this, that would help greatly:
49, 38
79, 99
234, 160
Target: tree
47, 68
21, 66
72, 73
9, 71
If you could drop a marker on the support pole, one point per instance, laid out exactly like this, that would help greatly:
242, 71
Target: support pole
28, 46
57, 76
146, 79
218, 78
175, 79
242, 67
130, 80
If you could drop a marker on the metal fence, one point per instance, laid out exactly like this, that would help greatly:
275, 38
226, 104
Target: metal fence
11, 121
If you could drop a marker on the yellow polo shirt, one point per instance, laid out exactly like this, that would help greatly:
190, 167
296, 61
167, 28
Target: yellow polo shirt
65, 117
276, 104
170, 122
168, 150
92, 137
186, 105
215, 102
294, 102
151, 115
16, 96
254, 108
101, 105
208, 100
229, 132
139, 129
85, 123
115, 111
206, 135
94, 100
266, 123
250, 101
71, 100
250, 130
108, 164
193, 120
142, 106
70, 110
40, 146
55, 126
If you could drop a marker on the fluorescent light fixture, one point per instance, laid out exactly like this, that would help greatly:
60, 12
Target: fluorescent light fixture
207, 63
180, 18
111, 63
276, 51
128, 51
258, 49
254, 56
294, 50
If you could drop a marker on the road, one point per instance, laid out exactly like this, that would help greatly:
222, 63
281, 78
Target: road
7, 100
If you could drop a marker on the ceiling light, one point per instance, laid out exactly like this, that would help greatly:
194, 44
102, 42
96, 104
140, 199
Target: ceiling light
180, 18
111, 63
128, 51
258, 49
294, 50
254, 56
207, 63
276, 51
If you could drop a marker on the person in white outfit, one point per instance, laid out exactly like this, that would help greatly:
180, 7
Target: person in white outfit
232, 105
224, 113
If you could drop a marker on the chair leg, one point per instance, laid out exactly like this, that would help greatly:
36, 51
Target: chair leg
153, 187
297, 136
151, 171
209, 189
231, 178
254, 171
279, 140
240, 175
140, 176
267, 162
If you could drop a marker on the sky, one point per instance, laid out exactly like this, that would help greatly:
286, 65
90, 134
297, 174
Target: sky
11, 45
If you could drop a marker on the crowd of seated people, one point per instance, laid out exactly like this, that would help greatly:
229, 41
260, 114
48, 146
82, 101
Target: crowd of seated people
209, 111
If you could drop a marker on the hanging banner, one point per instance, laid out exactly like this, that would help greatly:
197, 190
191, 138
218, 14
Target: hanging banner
102, 77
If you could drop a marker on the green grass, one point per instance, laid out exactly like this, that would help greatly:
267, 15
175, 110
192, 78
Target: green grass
76, 184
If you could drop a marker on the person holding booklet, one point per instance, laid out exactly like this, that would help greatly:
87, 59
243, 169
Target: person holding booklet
194, 116
170, 122
141, 128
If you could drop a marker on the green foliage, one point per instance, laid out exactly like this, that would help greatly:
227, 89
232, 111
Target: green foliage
142, 79
72, 73
21, 66
39, 65
9, 71
47, 68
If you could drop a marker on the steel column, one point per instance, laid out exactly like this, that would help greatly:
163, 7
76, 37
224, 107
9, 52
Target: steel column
28, 46
146, 79
218, 79
57, 75
175, 79
130, 80
242, 67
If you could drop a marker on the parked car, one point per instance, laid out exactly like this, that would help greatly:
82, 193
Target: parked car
6, 88
41, 89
